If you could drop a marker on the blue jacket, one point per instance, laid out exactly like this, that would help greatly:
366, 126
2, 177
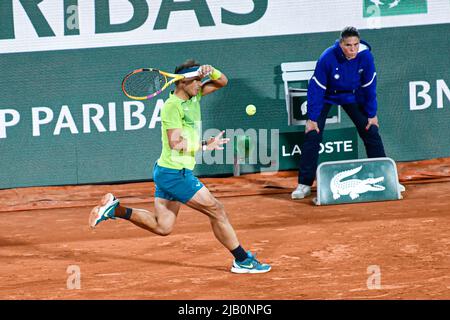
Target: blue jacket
338, 81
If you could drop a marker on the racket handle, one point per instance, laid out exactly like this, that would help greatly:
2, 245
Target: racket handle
191, 74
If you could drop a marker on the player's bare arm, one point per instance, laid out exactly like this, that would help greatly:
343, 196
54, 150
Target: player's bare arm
212, 85
176, 140
179, 143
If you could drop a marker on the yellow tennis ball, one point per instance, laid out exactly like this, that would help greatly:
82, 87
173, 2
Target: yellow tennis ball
250, 109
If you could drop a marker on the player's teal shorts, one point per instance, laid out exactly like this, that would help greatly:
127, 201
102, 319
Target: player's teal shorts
175, 185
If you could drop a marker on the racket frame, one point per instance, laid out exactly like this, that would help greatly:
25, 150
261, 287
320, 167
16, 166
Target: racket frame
166, 75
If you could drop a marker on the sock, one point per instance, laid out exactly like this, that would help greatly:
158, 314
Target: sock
128, 212
239, 254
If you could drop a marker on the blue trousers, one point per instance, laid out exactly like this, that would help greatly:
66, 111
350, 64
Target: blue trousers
311, 146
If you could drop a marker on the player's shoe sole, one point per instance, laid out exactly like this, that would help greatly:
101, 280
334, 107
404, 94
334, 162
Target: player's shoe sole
245, 270
104, 211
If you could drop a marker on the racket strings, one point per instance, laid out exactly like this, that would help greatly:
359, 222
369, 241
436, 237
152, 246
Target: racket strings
144, 83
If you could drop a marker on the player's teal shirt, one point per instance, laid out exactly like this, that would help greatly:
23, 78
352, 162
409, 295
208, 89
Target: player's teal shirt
180, 114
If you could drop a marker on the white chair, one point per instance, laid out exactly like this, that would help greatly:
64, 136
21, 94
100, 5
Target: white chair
301, 72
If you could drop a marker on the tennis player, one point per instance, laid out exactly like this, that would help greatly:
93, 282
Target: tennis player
173, 171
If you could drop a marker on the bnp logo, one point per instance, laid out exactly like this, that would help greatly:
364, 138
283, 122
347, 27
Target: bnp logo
380, 8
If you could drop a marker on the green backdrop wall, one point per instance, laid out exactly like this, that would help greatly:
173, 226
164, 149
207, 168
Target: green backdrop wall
66, 81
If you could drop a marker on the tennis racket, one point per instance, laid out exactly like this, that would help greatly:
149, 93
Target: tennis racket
145, 83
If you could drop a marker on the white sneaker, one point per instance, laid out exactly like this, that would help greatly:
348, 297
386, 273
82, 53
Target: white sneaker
401, 187
301, 192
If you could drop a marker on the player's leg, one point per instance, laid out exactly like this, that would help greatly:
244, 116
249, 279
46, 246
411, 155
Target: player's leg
371, 138
245, 262
166, 207
206, 203
310, 157
160, 222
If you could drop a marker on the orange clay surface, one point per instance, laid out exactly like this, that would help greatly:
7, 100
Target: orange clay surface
316, 252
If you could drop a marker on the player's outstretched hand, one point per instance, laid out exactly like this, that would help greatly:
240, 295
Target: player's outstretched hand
215, 143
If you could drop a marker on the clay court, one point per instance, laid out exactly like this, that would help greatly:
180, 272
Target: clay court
316, 252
